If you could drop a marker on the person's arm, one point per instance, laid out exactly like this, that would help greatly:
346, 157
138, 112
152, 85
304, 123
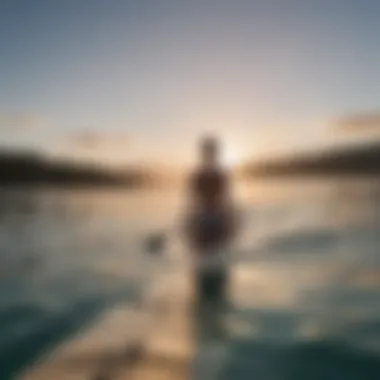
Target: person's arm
233, 217
186, 222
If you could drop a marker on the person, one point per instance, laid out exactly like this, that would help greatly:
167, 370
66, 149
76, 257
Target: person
211, 224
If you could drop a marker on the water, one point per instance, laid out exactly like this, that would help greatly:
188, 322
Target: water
306, 294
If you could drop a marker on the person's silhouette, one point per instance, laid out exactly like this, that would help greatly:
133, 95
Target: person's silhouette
211, 224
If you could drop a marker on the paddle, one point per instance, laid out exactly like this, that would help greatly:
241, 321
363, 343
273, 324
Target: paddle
155, 244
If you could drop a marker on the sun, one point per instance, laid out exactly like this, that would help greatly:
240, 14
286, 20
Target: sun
231, 157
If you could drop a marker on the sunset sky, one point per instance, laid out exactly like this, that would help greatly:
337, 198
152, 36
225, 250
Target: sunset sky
126, 81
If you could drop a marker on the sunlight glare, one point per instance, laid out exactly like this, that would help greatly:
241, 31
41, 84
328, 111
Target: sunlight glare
231, 157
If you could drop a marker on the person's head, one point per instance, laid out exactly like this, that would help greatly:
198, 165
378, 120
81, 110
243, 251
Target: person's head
209, 150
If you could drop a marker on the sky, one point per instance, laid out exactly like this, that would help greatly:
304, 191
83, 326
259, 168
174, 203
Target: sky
126, 81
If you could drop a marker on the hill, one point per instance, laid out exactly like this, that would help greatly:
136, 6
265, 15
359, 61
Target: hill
354, 161
29, 168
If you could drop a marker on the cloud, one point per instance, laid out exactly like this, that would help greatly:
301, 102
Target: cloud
20, 121
360, 122
86, 140
97, 140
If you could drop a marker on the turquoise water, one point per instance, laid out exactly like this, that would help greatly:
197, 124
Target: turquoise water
306, 284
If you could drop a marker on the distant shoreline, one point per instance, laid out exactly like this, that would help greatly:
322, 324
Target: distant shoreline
32, 170
357, 161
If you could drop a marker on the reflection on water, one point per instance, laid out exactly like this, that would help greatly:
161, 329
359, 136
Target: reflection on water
305, 299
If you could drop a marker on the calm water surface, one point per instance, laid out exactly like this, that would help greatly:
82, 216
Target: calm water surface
306, 289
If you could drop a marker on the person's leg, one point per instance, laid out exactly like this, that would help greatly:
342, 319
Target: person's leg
202, 285
220, 284
212, 285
